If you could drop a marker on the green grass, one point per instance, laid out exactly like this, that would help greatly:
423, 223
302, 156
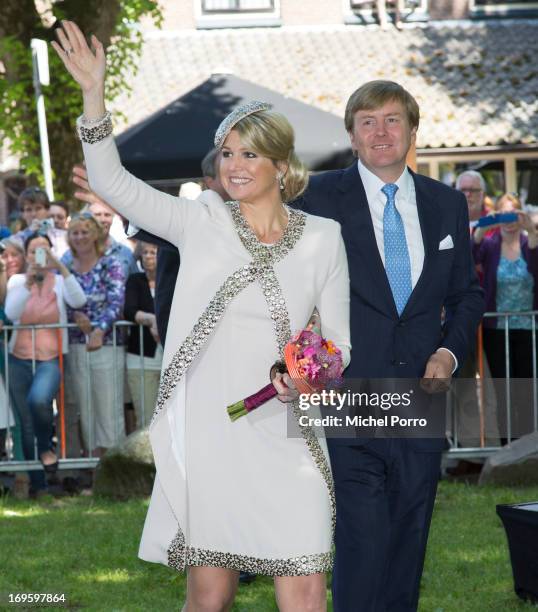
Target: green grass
86, 548
467, 565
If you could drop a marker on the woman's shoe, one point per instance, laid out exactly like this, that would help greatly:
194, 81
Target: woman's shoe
50, 468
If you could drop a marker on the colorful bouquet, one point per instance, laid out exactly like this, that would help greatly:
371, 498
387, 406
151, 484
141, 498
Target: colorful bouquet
312, 362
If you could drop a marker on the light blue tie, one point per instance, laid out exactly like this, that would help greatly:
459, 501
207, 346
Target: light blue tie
397, 262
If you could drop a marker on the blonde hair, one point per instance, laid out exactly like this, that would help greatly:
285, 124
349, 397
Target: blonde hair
270, 134
100, 238
374, 95
511, 198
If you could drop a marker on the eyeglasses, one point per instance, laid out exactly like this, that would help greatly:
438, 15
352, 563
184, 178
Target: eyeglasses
474, 190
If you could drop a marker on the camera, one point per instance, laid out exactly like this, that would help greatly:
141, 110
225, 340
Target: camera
46, 225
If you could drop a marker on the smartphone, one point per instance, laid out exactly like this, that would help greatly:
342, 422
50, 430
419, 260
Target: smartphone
497, 219
41, 257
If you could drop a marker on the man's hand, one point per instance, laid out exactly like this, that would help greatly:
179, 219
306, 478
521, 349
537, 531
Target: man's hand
84, 193
154, 332
438, 373
80, 178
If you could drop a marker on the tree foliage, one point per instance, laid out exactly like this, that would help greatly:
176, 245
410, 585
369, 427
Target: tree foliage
112, 21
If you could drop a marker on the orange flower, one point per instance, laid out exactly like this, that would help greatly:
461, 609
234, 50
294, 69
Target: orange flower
331, 348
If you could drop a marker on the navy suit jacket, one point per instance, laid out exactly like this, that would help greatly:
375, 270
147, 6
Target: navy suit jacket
385, 345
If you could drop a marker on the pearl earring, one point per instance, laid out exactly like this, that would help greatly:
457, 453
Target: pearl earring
280, 179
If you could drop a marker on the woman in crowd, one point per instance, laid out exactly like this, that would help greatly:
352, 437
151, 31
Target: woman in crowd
6, 415
12, 256
12, 261
509, 259
231, 496
140, 308
94, 349
38, 297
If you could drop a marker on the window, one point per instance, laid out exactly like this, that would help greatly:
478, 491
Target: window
210, 7
512, 171
482, 8
237, 13
527, 180
491, 170
365, 11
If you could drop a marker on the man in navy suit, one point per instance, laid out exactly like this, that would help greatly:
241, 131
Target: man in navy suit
168, 256
407, 242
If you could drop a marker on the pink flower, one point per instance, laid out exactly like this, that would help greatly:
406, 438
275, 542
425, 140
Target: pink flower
311, 370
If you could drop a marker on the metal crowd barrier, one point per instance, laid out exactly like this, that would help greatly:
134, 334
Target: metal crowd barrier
482, 450
89, 461
455, 448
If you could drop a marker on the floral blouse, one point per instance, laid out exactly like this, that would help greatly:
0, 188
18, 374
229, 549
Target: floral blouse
104, 286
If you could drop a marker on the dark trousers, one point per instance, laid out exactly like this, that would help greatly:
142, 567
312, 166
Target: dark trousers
520, 367
385, 492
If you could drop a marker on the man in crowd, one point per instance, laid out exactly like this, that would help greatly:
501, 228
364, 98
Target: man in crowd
59, 213
168, 256
35, 210
34, 206
471, 183
471, 394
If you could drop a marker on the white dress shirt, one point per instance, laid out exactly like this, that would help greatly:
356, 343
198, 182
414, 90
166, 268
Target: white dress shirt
406, 204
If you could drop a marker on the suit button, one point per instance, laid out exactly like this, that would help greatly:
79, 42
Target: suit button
402, 363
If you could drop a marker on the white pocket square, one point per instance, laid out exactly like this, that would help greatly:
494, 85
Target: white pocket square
446, 243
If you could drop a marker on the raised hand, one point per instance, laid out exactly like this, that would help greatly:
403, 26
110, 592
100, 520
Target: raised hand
80, 178
87, 66
526, 223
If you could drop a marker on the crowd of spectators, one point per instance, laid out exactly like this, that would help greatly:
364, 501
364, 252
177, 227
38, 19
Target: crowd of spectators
60, 267
505, 253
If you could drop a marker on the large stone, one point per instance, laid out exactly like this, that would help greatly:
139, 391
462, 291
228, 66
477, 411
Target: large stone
127, 470
513, 465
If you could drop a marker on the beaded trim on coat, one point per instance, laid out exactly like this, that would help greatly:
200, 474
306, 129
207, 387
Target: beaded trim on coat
261, 268
92, 131
281, 320
180, 556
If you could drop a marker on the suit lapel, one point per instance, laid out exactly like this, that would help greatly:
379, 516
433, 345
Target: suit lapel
360, 232
429, 216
